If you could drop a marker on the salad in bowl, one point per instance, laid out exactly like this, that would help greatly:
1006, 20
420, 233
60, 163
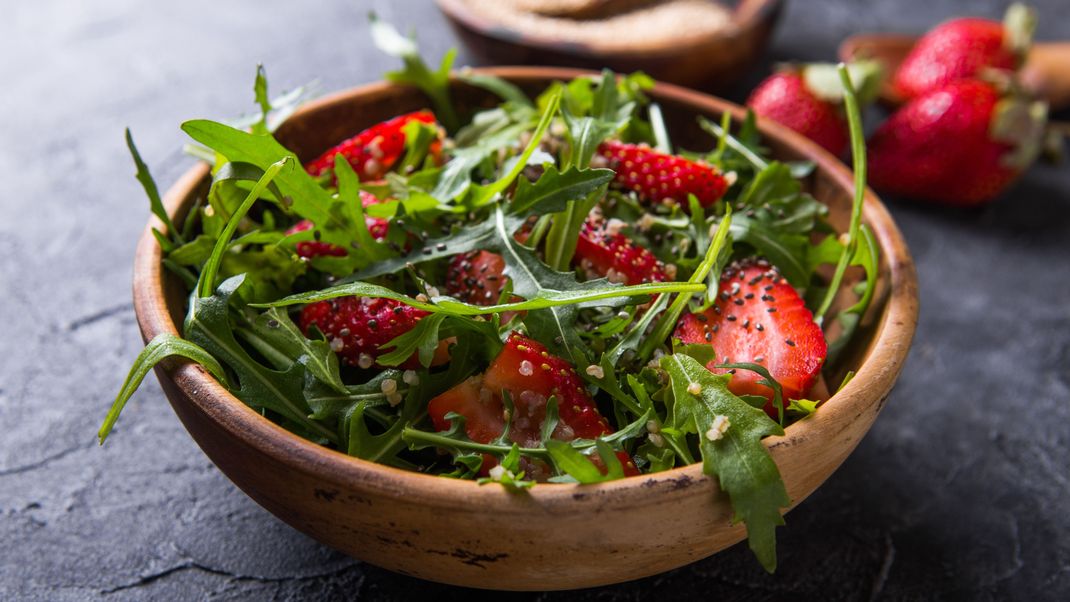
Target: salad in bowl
544, 290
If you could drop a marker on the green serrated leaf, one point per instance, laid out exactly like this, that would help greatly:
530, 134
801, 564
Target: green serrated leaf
208, 325
275, 328
554, 189
729, 434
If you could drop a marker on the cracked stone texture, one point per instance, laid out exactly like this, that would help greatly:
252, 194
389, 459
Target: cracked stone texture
959, 491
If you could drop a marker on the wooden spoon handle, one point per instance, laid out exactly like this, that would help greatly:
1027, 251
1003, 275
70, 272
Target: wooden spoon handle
1047, 72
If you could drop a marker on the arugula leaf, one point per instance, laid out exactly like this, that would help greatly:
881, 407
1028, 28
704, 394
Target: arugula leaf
433, 83
276, 330
208, 325
729, 434
370, 250
579, 466
260, 93
709, 270
766, 380
422, 339
456, 175
504, 89
858, 155
486, 193
161, 347
738, 145
310, 200
149, 184
211, 265
361, 443
787, 251
329, 405
584, 133
541, 288
552, 191
508, 472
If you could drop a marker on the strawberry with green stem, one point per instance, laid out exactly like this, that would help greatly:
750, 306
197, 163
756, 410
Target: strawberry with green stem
964, 48
809, 100
961, 144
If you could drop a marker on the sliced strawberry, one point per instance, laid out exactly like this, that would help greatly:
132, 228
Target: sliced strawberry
530, 375
375, 150
759, 318
602, 250
377, 226
357, 326
476, 277
658, 176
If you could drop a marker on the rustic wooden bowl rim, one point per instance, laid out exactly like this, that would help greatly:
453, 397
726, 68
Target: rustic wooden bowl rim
740, 28
892, 339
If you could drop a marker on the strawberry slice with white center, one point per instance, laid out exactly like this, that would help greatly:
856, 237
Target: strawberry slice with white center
759, 318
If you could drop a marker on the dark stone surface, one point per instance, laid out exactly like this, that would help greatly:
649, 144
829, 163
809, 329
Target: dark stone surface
959, 491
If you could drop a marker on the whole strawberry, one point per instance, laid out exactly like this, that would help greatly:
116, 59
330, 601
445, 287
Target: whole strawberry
660, 177
963, 48
960, 144
809, 100
356, 327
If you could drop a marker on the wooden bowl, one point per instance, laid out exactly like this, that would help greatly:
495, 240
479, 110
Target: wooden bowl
555, 536
712, 63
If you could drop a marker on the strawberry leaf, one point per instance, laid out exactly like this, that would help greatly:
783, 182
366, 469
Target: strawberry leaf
729, 435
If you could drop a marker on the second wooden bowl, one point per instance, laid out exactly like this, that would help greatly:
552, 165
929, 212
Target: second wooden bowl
555, 536
712, 62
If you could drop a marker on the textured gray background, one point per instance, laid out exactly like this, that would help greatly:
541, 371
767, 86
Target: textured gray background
959, 491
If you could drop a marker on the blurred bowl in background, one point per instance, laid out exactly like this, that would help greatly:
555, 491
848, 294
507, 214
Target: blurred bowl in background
713, 54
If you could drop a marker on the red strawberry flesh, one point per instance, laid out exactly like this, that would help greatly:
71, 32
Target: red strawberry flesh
939, 147
955, 50
357, 326
759, 318
531, 375
476, 277
603, 251
658, 176
374, 151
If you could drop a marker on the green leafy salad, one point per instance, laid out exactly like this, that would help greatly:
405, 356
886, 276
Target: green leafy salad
543, 291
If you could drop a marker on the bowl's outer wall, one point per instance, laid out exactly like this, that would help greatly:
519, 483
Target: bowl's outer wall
711, 63
555, 537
